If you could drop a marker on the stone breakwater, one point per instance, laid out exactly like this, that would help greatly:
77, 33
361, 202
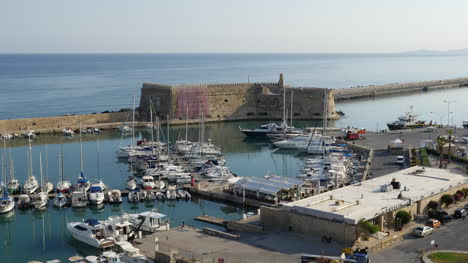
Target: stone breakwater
398, 88
57, 124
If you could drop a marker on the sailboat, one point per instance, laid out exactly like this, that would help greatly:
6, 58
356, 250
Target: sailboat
6, 202
13, 184
41, 200
96, 195
47, 186
31, 184
62, 186
125, 152
83, 182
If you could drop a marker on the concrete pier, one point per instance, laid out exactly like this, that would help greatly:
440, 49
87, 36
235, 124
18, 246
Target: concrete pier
398, 88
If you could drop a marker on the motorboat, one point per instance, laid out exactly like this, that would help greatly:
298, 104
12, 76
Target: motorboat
150, 221
131, 183
29, 134
150, 196
133, 196
171, 193
184, 194
271, 128
92, 232
159, 185
40, 201
60, 200
147, 182
160, 196
24, 201
31, 185
79, 198
125, 128
68, 132
96, 194
114, 196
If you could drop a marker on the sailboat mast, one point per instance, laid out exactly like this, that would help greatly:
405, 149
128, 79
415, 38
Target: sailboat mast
30, 159
284, 106
152, 126
40, 171
98, 151
47, 164
81, 151
292, 92
167, 133
186, 123
133, 121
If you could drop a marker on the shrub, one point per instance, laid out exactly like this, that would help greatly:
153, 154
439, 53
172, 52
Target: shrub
347, 250
447, 200
368, 228
404, 217
461, 193
433, 205
457, 197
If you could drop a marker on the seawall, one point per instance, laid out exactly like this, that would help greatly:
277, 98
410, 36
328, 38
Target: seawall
398, 88
58, 123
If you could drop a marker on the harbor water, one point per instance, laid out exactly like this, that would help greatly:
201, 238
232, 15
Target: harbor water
43, 234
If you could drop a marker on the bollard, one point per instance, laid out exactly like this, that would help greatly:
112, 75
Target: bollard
156, 244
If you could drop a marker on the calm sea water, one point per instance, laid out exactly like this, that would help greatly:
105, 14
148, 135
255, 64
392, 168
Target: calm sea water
44, 234
46, 85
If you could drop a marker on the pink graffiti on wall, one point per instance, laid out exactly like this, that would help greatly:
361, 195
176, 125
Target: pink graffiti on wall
194, 100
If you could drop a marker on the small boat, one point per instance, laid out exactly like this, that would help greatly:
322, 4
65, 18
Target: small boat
31, 185
60, 200
159, 185
14, 187
40, 201
29, 134
150, 221
96, 193
125, 128
63, 186
48, 187
79, 198
131, 183
133, 196
171, 194
160, 196
83, 182
184, 194
68, 132
147, 182
6, 203
24, 202
150, 196
92, 232
115, 196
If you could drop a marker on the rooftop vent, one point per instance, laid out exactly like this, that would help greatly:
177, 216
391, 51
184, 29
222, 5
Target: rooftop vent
339, 202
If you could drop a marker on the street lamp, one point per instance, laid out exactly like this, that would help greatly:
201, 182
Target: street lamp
448, 110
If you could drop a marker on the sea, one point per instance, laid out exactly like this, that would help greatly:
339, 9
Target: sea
37, 85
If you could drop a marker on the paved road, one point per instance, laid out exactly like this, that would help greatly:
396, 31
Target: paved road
453, 235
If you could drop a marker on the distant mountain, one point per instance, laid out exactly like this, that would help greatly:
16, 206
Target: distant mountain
438, 52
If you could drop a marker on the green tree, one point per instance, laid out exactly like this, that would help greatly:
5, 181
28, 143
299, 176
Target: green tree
403, 216
447, 200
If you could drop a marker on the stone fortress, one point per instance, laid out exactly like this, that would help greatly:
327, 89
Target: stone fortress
235, 101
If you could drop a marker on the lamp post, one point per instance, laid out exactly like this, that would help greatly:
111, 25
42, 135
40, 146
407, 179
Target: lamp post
448, 110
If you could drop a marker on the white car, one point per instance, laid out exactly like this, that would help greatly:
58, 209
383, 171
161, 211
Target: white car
400, 159
422, 231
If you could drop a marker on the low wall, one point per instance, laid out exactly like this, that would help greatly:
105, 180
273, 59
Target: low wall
390, 89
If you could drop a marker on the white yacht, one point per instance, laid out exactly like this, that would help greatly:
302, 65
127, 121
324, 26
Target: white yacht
6, 203
91, 232
152, 221
96, 193
114, 196
147, 182
79, 198
131, 183
31, 185
184, 194
60, 200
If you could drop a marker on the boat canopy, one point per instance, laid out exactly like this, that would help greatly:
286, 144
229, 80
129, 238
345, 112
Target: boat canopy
92, 222
95, 189
152, 214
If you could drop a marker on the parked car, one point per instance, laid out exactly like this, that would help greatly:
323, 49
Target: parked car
422, 231
466, 207
434, 223
400, 159
440, 215
459, 213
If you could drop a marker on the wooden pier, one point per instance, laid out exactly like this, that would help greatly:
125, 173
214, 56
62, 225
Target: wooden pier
212, 220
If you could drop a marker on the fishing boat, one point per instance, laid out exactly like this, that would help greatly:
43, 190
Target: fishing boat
60, 200
131, 183
407, 121
114, 196
91, 232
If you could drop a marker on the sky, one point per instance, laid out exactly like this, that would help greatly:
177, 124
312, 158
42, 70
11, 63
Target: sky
241, 26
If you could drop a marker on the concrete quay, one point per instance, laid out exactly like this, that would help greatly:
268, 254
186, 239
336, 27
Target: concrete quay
397, 88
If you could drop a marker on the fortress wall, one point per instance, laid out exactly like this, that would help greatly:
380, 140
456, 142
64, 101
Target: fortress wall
161, 97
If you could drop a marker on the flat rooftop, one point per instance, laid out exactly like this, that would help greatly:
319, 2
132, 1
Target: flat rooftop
366, 200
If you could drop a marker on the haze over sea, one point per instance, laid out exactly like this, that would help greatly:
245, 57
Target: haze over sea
37, 85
